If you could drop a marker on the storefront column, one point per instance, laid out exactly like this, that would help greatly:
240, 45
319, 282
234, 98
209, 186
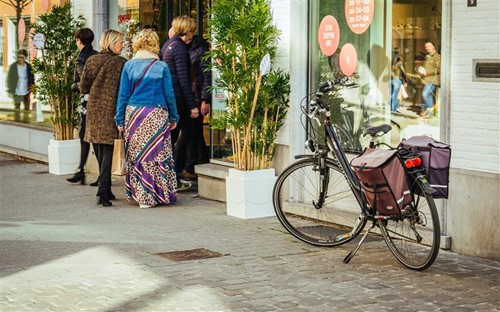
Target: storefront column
100, 17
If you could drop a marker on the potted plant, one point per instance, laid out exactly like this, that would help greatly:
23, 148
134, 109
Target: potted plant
244, 44
54, 38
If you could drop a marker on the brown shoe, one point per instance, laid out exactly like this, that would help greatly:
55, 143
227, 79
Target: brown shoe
186, 175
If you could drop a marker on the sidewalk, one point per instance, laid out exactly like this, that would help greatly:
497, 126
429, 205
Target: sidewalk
59, 251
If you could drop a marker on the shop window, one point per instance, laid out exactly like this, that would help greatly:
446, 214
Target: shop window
27, 110
372, 31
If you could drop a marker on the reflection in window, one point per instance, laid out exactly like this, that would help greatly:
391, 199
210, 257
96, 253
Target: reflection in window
398, 26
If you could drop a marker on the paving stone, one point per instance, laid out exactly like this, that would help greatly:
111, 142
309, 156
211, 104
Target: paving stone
61, 252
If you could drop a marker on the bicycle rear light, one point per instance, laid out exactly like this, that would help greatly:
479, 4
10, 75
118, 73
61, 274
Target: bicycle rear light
413, 162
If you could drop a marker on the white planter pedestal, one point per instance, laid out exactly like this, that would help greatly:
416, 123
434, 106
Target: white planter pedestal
64, 156
249, 193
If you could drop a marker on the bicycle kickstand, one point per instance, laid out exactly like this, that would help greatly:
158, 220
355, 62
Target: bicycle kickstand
351, 254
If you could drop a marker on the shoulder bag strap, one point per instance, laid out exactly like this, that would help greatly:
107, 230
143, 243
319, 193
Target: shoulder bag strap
144, 73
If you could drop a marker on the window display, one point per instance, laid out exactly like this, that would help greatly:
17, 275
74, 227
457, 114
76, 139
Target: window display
380, 45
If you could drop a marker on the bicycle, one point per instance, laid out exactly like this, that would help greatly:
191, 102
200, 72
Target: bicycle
317, 198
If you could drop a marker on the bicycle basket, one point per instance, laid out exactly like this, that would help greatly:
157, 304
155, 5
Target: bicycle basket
436, 158
383, 180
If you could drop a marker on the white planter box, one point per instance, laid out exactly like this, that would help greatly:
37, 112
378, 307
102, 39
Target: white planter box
249, 193
64, 156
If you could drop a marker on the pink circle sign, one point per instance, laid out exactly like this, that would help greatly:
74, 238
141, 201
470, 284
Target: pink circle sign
359, 14
46, 5
348, 59
21, 31
31, 46
328, 35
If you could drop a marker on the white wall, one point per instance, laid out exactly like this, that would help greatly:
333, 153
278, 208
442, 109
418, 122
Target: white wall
474, 106
281, 17
472, 210
83, 7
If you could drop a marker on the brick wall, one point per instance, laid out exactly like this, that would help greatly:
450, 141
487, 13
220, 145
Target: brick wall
474, 106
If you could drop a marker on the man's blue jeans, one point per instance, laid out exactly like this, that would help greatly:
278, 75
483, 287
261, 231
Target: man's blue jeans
428, 95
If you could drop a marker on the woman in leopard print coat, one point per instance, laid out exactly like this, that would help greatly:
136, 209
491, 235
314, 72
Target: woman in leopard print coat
100, 80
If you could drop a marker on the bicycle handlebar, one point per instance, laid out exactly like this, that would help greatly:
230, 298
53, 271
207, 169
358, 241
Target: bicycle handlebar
328, 85
325, 87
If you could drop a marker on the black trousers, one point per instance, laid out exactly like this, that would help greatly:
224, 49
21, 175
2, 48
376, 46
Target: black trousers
181, 135
187, 138
104, 153
84, 146
197, 151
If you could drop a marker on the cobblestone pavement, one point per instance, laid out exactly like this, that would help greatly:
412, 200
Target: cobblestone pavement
59, 251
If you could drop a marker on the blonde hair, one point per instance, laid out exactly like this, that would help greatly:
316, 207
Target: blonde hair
146, 39
183, 25
109, 38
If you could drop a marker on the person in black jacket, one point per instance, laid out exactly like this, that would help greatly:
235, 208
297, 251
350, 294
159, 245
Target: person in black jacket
20, 79
84, 38
197, 152
175, 52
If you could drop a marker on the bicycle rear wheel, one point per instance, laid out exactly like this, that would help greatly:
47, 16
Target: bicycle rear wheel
414, 236
317, 205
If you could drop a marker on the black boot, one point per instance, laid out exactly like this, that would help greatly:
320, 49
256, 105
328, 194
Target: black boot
104, 200
78, 177
111, 196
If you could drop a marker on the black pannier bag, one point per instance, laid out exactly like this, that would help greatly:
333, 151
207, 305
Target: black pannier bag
383, 180
436, 158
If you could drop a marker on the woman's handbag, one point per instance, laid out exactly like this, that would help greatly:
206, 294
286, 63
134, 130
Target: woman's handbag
119, 163
404, 94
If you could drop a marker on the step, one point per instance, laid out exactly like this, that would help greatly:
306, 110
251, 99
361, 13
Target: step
212, 181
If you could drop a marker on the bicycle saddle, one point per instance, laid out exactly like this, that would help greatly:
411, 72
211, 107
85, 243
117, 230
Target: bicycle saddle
374, 130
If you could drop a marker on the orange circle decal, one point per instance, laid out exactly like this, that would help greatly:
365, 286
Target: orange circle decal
359, 14
328, 35
348, 59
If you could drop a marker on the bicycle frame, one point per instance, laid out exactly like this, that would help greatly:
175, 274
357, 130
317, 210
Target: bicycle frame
339, 154
336, 150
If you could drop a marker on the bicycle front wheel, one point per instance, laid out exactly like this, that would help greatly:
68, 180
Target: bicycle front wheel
414, 236
316, 204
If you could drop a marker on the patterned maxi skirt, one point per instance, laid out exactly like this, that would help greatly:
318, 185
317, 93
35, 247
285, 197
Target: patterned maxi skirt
150, 178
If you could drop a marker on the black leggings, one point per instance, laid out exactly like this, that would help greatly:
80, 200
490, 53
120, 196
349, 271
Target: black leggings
84, 146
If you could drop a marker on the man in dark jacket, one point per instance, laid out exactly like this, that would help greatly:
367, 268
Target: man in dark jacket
20, 79
84, 38
197, 152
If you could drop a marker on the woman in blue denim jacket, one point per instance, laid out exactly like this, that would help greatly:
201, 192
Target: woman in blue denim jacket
146, 112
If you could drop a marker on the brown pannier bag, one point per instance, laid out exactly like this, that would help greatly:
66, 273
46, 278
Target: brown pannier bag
383, 180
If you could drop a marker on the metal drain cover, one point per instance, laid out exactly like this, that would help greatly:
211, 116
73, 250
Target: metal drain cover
193, 254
